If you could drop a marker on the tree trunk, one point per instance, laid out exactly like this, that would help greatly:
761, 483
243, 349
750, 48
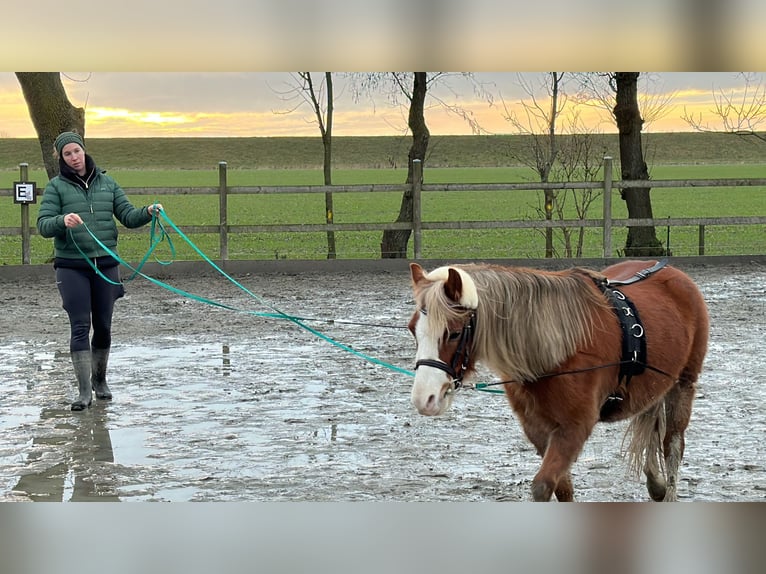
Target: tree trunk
51, 112
394, 242
641, 241
327, 142
550, 195
328, 205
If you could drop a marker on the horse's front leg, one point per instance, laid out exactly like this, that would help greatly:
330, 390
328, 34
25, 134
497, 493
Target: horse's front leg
564, 446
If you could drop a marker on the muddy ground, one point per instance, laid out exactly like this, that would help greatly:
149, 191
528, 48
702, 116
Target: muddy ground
212, 404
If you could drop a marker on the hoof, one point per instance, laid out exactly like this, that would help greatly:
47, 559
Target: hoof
541, 492
656, 488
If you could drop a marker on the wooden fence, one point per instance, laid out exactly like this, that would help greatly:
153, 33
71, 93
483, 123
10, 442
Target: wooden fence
607, 222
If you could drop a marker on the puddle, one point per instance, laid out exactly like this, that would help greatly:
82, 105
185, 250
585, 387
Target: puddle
215, 407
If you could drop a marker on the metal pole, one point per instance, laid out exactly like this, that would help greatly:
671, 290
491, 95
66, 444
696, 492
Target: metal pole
223, 212
607, 207
25, 228
417, 181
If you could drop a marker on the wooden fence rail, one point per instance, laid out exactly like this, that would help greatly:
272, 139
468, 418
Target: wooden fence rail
607, 222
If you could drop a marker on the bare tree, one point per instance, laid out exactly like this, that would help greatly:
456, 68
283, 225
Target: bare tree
566, 156
51, 111
321, 99
642, 241
623, 88
415, 87
738, 112
597, 89
539, 123
578, 160
393, 245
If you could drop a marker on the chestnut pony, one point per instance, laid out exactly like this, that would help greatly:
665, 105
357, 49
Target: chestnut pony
555, 341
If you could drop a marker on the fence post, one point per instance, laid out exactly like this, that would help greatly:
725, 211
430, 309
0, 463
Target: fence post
223, 220
607, 207
25, 229
701, 240
417, 181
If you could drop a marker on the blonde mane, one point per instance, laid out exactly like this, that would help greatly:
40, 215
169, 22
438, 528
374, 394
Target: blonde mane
441, 310
528, 321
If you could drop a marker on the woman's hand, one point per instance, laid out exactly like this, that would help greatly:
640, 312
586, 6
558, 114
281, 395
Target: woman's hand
154, 208
72, 220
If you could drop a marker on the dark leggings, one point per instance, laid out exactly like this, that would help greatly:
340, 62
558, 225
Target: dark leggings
88, 298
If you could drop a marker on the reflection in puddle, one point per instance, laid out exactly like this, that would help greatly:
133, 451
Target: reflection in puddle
68, 465
226, 367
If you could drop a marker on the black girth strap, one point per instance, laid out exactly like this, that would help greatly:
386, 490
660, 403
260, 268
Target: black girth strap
633, 361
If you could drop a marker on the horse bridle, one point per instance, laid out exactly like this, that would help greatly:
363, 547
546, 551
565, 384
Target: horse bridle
457, 369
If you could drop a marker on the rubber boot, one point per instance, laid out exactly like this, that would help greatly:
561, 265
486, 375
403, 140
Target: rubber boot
98, 374
81, 362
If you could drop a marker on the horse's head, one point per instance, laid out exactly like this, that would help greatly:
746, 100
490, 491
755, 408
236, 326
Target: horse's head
443, 325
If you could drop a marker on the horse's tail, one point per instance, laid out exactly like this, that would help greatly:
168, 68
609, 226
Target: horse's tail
646, 432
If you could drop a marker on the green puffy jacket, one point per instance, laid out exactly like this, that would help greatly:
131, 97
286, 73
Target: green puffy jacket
98, 205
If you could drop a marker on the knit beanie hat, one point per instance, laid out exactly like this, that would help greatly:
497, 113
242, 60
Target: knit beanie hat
67, 138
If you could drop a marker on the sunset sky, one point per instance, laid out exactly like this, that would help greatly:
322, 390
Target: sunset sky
247, 104
198, 68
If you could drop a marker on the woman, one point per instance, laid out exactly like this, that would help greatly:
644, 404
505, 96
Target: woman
83, 193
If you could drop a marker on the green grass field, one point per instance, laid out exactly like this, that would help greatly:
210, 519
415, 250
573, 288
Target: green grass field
469, 159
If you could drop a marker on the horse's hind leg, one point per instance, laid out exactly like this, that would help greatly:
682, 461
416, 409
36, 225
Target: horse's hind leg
646, 432
678, 411
655, 476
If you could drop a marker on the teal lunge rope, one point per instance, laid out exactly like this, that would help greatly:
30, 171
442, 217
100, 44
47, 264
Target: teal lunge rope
163, 236
277, 313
